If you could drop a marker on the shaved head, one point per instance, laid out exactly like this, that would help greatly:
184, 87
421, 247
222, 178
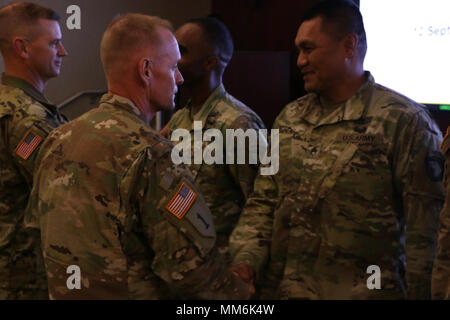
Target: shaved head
217, 36
127, 36
21, 19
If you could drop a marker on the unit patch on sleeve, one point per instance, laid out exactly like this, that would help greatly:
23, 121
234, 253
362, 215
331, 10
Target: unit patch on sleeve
28, 144
181, 201
435, 166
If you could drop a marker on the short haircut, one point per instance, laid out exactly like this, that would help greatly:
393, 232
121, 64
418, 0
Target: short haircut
20, 19
340, 18
129, 32
217, 36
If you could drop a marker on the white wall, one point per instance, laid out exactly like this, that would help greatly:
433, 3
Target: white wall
82, 69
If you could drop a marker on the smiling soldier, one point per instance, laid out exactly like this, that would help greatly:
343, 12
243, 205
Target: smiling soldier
359, 181
30, 42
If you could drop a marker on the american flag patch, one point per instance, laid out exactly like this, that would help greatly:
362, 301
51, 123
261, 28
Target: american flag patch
28, 145
181, 201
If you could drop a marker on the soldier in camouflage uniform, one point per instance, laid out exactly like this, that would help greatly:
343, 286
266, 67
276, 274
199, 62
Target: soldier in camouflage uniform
26, 117
107, 196
441, 267
359, 181
206, 48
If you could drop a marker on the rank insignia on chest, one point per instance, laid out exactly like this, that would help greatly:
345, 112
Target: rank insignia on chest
28, 144
181, 201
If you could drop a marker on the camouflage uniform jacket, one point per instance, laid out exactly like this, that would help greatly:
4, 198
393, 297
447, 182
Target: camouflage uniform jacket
224, 186
109, 200
26, 118
357, 186
441, 267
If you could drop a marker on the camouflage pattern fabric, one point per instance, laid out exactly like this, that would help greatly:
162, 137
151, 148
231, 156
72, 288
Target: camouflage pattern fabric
224, 186
357, 186
108, 199
25, 115
441, 268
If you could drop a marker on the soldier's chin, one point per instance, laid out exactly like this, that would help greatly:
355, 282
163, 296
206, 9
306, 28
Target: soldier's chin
309, 88
55, 73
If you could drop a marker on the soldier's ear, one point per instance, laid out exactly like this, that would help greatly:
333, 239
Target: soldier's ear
350, 43
145, 70
20, 47
211, 63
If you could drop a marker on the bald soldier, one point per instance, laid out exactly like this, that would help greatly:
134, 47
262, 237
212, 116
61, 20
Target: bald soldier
441, 267
30, 43
206, 48
353, 211
107, 197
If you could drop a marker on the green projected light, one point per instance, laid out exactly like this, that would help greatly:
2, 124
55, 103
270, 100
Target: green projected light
444, 107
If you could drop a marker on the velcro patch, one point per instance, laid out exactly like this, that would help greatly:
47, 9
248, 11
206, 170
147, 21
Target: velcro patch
181, 202
435, 166
28, 144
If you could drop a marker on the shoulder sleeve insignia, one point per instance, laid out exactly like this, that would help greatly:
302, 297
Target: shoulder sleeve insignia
182, 200
28, 144
435, 166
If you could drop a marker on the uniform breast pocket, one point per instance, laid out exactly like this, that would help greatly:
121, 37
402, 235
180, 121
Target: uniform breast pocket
362, 187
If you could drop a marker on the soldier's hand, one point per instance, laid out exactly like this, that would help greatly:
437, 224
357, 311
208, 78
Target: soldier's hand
241, 289
251, 290
245, 272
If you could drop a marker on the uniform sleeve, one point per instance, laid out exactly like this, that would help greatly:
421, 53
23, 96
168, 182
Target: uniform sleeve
250, 240
244, 174
179, 229
418, 166
441, 268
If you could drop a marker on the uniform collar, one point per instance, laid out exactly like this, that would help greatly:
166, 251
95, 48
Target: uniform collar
123, 103
208, 105
352, 109
31, 91
356, 106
